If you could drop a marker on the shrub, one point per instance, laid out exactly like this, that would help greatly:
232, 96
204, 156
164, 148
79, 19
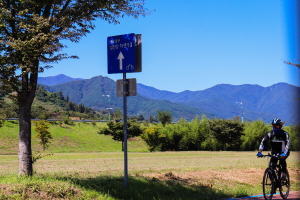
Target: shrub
66, 120
153, 138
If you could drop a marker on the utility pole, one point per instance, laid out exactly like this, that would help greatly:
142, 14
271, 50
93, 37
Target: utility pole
109, 108
242, 110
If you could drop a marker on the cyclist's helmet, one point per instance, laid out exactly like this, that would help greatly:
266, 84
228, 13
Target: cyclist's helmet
277, 122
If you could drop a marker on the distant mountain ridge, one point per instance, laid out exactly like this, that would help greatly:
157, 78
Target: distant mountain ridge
265, 103
56, 80
221, 100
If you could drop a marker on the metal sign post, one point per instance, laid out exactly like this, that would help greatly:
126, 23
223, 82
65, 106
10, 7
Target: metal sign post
124, 55
125, 129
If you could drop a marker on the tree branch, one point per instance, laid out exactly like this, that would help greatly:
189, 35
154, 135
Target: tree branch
297, 65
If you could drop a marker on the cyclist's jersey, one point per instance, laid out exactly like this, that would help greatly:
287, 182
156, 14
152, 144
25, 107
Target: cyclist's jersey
279, 143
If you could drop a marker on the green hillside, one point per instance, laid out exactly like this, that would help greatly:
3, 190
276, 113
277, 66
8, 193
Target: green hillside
50, 105
79, 137
91, 91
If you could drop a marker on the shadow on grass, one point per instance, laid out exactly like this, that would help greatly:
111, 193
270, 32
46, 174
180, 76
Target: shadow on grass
145, 188
10, 124
14, 122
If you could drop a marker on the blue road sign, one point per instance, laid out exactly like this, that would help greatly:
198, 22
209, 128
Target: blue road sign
121, 53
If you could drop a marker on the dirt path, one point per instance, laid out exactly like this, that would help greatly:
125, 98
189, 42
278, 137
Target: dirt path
292, 196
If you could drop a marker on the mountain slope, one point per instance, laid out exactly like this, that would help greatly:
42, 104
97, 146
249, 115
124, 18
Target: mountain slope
90, 91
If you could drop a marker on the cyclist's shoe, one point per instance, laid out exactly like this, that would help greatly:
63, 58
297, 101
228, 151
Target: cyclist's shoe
283, 177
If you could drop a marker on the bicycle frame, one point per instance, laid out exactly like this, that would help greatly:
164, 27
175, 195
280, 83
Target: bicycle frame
275, 177
276, 171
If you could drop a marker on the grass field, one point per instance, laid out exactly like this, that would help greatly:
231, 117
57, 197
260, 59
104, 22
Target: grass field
86, 165
161, 175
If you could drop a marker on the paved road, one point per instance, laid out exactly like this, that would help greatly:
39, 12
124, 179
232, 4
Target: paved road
292, 196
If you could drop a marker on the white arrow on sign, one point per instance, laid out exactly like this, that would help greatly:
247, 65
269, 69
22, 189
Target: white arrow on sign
120, 58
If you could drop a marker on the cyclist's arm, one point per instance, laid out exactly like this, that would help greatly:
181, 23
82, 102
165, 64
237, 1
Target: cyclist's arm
263, 142
287, 146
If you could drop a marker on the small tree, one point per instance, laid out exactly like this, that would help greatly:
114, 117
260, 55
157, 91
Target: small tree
44, 135
118, 113
140, 117
164, 117
151, 119
116, 129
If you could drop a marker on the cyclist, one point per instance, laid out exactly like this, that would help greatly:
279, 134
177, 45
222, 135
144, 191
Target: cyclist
280, 142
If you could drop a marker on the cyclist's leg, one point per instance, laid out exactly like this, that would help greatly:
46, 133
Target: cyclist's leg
282, 162
274, 161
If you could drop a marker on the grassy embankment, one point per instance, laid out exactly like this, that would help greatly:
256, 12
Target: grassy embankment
81, 137
160, 175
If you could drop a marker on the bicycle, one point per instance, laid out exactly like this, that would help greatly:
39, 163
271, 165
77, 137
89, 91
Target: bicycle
272, 180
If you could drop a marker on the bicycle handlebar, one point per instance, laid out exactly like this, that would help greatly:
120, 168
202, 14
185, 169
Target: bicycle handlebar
269, 155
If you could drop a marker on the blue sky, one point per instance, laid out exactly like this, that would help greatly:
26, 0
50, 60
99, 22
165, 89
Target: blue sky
196, 44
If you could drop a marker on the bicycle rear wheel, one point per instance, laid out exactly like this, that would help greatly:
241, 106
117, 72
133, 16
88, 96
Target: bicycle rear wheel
268, 184
285, 186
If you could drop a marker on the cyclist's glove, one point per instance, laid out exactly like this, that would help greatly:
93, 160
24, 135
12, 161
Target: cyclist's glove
283, 154
259, 154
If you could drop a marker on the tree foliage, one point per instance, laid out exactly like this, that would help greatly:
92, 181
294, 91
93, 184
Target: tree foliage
227, 132
254, 133
294, 133
164, 116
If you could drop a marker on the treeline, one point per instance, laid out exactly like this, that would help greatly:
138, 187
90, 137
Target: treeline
213, 135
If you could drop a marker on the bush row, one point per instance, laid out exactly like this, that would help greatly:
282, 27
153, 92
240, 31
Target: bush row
213, 135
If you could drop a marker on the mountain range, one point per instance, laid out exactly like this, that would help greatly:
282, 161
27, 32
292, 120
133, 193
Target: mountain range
222, 101
90, 92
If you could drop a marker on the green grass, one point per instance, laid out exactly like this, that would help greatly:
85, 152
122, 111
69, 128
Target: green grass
102, 187
159, 175
81, 137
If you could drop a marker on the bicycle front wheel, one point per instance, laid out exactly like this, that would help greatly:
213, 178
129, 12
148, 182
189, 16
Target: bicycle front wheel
268, 185
285, 186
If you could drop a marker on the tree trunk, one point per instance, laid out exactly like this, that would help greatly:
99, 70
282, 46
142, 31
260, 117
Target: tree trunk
25, 153
25, 98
